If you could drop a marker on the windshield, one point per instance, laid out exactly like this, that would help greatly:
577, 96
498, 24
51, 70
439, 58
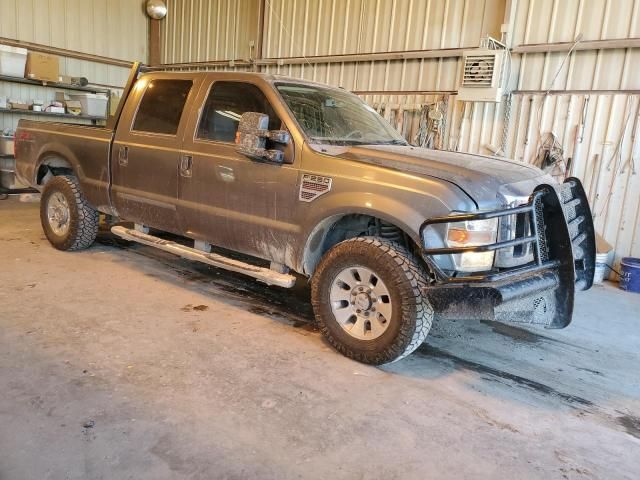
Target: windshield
336, 117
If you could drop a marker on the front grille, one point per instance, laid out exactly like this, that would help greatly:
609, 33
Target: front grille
512, 227
548, 212
521, 230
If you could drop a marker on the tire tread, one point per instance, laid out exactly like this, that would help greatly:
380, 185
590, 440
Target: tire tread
407, 340
83, 232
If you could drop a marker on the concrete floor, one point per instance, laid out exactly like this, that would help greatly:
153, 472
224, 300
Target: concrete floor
123, 362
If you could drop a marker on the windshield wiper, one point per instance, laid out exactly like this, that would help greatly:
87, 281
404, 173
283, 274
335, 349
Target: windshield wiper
338, 141
355, 142
389, 142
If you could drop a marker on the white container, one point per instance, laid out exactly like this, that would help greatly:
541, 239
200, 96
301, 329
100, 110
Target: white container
602, 269
12, 61
6, 145
93, 104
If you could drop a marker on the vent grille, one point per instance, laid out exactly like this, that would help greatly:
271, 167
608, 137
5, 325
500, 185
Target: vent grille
313, 186
479, 70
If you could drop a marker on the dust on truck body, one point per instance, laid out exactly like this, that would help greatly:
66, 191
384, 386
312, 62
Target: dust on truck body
303, 177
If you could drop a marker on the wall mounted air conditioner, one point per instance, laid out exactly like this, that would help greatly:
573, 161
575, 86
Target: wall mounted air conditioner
482, 76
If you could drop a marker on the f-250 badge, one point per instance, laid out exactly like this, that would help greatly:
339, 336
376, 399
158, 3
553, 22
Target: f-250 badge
313, 186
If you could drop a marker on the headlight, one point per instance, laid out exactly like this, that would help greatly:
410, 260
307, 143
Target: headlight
471, 234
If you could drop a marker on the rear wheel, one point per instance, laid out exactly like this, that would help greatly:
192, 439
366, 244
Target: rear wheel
367, 298
68, 221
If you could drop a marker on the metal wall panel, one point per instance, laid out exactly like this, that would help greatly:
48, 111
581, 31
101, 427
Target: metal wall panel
600, 134
332, 27
603, 155
113, 28
327, 27
295, 28
197, 30
549, 21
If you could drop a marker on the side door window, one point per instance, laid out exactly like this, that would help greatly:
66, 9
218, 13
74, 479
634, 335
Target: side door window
225, 105
161, 106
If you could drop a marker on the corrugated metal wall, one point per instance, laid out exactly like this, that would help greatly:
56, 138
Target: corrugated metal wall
112, 28
310, 28
198, 30
596, 128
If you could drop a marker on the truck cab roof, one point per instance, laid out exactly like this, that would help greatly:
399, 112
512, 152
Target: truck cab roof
237, 76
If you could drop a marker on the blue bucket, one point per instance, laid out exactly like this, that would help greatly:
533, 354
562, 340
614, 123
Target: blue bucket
630, 279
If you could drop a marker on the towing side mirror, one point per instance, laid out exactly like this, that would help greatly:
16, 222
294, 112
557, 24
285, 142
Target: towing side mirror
253, 133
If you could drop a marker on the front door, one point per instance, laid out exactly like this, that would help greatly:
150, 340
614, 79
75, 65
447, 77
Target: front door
146, 153
226, 198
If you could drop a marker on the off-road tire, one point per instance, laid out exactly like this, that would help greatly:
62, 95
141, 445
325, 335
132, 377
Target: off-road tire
411, 317
84, 219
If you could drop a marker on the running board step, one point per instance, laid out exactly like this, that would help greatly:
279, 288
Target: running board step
265, 275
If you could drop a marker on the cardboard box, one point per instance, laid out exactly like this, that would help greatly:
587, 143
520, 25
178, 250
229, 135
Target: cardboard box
19, 106
41, 66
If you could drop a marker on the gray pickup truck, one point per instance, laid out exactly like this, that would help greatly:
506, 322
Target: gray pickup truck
300, 176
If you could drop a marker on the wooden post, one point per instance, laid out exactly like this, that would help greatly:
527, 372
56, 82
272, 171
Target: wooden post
154, 42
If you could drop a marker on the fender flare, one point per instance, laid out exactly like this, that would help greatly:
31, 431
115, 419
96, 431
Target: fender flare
403, 216
57, 151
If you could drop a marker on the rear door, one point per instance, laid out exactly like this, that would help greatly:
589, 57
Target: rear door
225, 198
146, 151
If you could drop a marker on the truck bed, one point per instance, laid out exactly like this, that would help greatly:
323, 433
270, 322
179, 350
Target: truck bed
85, 149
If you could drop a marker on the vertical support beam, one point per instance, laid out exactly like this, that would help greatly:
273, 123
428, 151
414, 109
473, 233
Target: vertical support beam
260, 39
154, 42
508, 24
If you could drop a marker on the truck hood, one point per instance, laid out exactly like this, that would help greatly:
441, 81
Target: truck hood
489, 181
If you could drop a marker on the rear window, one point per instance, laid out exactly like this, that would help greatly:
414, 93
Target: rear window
161, 106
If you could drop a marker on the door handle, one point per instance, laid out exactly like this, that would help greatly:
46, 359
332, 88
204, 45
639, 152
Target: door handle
186, 163
123, 155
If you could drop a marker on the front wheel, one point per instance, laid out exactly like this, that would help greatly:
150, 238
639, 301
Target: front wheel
368, 301
68, 221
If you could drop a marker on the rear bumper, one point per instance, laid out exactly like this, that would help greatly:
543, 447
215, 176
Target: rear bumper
540, 292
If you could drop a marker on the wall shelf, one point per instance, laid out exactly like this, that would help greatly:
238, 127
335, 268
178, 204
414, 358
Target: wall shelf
64, 86
61, 86
51, 114
9, 170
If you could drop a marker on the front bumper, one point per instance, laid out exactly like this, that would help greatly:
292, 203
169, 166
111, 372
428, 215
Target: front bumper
540, 292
